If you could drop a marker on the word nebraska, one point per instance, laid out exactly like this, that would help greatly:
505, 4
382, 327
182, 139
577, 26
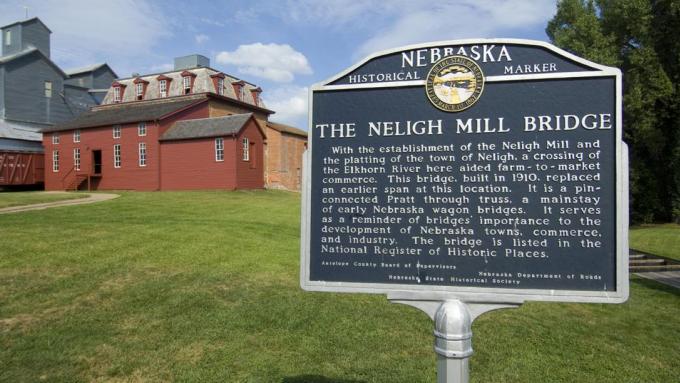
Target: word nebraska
483, 53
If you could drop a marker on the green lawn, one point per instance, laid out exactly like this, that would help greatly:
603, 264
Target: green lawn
663, 240
203, 287
10, 199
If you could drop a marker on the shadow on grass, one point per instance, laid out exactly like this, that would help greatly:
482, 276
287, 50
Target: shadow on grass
651, 284
316, 379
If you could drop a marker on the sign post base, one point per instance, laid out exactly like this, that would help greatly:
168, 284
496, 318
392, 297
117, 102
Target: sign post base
452, 332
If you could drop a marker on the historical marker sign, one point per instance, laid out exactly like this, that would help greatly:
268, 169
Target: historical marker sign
486, 170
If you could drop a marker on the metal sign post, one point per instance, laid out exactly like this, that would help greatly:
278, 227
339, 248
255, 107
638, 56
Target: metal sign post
461, 177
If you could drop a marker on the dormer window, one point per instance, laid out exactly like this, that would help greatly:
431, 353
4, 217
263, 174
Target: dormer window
118, 91
188, 82
256, 95
140, 88
218, 83
239, 89
163, 85
163, 88
8, 38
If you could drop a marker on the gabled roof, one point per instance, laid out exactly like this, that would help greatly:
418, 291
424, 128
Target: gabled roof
26, 22
30, 51
89, 68
127, 113
207, 127
287, 129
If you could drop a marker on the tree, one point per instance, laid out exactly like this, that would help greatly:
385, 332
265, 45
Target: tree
640, 37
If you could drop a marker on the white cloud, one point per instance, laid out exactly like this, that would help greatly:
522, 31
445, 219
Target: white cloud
290, 105
275, 62
201, 38
458, 20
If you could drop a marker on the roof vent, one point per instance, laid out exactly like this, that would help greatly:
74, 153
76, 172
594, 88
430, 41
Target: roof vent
191, 61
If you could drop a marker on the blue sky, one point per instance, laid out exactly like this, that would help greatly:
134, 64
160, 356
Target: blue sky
283, 46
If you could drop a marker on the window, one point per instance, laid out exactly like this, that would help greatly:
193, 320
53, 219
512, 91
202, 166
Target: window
140, 90
242, 95
55, 160
141, 129
76, 158
116, 156
48, 89
116, 131
76, 135
220, 86
116, 94
8, 38
163, 88
55, 138
219, 149
142, 154
246, 149
186, 84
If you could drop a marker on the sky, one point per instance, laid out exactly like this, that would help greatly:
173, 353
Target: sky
283, 46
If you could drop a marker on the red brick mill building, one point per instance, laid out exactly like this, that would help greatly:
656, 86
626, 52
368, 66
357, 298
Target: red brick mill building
191, 128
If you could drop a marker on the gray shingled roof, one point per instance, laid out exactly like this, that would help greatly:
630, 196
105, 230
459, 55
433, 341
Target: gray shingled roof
206, 127
85, 69
124, 113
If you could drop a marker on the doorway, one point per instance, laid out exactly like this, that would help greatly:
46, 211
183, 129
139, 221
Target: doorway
97, 161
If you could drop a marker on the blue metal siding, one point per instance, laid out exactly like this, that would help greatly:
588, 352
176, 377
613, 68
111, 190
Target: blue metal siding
15, 46
35, 34
25, 91
103, 78
83, 80
2, 92
78, 99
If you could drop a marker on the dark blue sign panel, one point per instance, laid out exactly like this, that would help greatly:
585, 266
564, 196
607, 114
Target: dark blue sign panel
494, 169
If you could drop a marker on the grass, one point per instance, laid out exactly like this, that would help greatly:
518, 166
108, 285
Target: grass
663, 240
203, 287
11, 199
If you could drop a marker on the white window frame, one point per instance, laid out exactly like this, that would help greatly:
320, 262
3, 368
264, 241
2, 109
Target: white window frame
141, 154
139, 88
76, 135
48, 89
8, 37
245, 143
76, 158
117, 161
116, 94
186, 84
55, 138
220, 86
141, 129
163, 88
219, 149
117, 131
55, 161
